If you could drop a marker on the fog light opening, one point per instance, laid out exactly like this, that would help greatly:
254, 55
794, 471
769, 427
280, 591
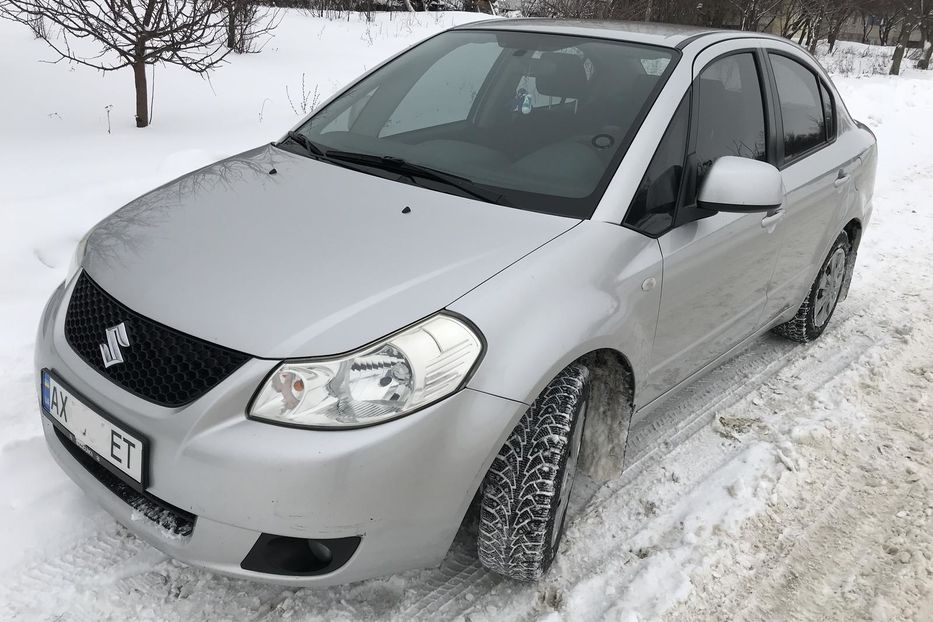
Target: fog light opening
285, 555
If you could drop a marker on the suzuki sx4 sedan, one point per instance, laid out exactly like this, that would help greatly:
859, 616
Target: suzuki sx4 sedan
453, 285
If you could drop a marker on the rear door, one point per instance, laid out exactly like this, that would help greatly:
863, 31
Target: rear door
717, 266
818, 172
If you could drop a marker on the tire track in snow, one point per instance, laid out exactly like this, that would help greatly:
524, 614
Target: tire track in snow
76, 570
818, 554
763, 360
860, 489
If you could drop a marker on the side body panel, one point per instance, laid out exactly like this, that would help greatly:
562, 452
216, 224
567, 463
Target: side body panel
596, 286
823, 194
716, 276
815, 208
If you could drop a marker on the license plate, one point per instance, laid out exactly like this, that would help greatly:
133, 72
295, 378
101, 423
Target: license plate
107, 441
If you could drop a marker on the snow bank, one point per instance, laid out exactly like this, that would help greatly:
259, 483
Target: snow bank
856, 59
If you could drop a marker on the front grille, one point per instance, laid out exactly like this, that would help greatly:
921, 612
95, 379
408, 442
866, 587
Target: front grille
165, 515
161, 365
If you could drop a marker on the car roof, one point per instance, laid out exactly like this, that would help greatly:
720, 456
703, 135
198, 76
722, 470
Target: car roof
667, 35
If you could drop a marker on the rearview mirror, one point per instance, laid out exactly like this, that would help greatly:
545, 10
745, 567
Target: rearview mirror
741, 185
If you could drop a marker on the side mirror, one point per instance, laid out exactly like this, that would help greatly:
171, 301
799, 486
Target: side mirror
741, 185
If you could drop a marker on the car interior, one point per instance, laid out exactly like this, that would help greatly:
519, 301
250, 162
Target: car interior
547, 121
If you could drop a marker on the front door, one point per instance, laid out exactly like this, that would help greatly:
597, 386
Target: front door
717, 269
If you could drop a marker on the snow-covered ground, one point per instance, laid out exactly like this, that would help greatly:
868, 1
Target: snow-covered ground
850, 58
795, 482
856, 59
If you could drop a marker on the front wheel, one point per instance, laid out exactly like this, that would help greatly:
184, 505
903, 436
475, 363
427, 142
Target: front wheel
527, 489
813, 315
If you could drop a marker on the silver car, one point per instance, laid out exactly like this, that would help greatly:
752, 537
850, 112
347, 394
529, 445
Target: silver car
305, 363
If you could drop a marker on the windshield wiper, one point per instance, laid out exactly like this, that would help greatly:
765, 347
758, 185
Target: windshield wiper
306, 143
411, 170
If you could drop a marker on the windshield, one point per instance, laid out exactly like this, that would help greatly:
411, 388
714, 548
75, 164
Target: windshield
533, 121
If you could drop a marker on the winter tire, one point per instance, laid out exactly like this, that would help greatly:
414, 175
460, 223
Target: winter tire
527, 489
815, 312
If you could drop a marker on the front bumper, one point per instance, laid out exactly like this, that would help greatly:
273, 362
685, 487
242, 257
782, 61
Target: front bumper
403, 486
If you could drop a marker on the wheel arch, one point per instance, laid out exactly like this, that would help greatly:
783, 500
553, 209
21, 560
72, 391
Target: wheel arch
853, 231
609, 414
612, 382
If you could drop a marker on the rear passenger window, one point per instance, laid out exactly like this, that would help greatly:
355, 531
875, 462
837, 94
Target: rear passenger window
652, 210
730, 112
802, 108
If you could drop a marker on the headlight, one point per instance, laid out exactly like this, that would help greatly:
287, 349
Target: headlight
411, 369
77, 257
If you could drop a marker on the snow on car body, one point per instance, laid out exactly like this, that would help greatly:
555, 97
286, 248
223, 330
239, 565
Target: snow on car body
302, 363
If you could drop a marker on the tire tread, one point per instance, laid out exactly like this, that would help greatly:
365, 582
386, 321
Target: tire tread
517, 506
801, 327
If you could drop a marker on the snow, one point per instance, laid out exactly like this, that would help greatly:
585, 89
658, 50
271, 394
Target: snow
792, 482
856, 59
850, 58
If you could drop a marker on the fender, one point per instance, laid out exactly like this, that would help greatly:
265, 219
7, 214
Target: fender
859, 207
596, 286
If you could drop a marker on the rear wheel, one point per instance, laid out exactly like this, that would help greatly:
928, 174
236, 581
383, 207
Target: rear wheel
527, 489
813, 315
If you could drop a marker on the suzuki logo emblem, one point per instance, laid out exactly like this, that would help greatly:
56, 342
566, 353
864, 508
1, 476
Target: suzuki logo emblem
110, 351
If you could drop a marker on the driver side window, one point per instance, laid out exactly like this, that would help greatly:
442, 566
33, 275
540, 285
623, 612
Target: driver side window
730, 121
730, 112
655, 202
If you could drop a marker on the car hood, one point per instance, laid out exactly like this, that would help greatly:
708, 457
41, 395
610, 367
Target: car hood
279, 256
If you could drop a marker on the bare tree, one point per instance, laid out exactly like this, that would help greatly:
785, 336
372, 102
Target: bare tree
892, 14
926, 34
913, 14
752, 12
794, 16
837, 14
133, 33
899, 48
247, 22
907, 26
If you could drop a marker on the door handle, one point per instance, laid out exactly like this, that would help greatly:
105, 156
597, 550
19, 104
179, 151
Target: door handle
841, 179
772, 218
